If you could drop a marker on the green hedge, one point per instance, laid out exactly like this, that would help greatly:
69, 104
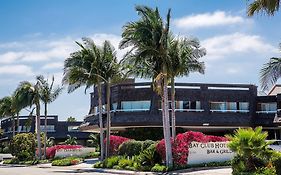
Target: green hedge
130, 148
23, 146
67, 161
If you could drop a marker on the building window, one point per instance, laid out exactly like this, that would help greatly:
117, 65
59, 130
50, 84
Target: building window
135, 105
229, 107
267, 107
243, 106
72, 129
181, 106
114, 106
50, 128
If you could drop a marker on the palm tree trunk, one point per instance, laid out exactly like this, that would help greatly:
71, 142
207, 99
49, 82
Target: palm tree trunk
108, 122
166, 123
100, 122
45, 130
14, 125
18, 123
173, 107
38, 130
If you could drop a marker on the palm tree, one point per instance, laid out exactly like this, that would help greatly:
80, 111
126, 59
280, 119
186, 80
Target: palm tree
93, 66
7, 109
93, 140
184, 54
71, 140
250, 145
28, 94
148, 38
48, 94
270, 72
71, 119
268, 7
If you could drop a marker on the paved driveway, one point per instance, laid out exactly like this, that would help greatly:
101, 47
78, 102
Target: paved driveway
34, 170
86, 169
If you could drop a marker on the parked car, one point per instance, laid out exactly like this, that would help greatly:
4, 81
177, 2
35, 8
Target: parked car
276, 145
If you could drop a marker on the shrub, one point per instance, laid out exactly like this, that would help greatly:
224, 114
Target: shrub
115, 142
130, 148
277, 163
147, 143
149, 156
125, 162
265, 171
159, 168
6, 150
23, 146
11, 161
67, 161
98, 164
111, 161
51, 151
251, 149
92, 155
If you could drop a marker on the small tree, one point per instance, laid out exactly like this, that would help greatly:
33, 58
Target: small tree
251, 149
23, 146
71, 119
71, 140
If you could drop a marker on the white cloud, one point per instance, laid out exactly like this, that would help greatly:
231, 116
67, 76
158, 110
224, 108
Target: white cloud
46, 50
16, 70
218, 18
54, 65
226, 45
10, 57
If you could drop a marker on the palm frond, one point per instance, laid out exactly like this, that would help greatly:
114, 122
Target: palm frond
270, 73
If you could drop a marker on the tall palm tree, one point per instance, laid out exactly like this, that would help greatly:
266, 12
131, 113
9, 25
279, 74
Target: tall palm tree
148, 38
28, 94
93, 66
270, 72
184, 55
48, 94
268, 7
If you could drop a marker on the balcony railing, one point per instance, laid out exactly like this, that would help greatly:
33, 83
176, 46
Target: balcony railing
186, 110
266, 112
224, 110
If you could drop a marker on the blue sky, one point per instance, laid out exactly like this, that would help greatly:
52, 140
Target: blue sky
36, 36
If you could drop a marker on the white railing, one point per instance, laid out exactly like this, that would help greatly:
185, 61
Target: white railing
266, 112
225, 110
131, 110
186, 110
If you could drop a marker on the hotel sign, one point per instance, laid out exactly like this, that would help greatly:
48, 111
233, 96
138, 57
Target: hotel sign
74, 152
208, 152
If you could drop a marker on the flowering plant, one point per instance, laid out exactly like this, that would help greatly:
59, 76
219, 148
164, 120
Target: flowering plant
115, 142
180, 145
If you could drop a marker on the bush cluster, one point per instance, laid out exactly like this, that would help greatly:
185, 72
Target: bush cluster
67, 161
28, 162
115, 142
130, 148
134, 155
23, 146
180, 145
253, 157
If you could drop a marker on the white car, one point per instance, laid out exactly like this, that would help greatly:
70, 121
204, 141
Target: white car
276, 145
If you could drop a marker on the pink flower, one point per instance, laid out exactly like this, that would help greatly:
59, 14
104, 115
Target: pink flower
180, 146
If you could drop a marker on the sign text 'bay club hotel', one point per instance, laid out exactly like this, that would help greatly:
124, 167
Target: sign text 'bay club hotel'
210, 108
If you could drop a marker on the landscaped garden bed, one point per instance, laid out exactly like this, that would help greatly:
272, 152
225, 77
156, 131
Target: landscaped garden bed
149, 155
